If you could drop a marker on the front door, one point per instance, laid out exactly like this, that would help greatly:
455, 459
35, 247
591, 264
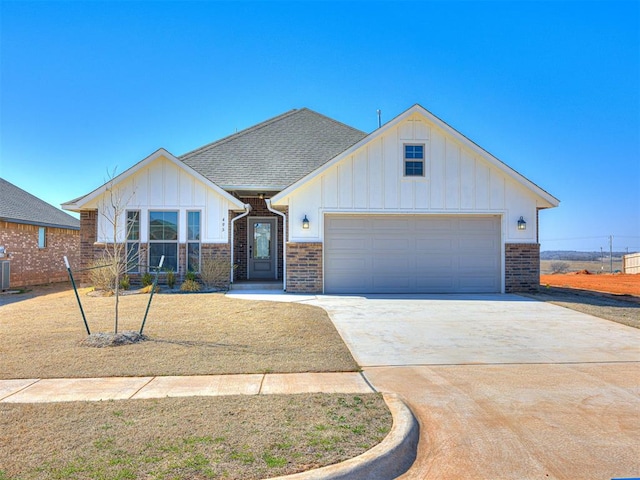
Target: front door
262, 247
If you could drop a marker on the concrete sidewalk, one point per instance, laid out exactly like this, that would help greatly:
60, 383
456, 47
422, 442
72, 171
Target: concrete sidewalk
123, 388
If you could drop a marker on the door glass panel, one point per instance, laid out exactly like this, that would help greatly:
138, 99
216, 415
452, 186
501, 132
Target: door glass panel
262, 241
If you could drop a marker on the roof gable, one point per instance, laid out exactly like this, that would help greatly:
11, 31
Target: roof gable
274, 153
547, 198
78, 203
19, 206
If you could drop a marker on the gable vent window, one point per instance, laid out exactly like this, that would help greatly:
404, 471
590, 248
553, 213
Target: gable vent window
414, 160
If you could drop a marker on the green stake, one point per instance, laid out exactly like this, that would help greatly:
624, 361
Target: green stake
86, 325
153, 289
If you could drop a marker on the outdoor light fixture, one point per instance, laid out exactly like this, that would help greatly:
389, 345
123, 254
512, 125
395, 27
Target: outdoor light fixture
305, 223
522, 225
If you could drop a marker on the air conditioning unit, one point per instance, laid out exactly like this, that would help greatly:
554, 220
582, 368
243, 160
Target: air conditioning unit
5, 270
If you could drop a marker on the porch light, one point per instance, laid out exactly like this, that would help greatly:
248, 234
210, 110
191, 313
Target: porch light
305, 223
522, 225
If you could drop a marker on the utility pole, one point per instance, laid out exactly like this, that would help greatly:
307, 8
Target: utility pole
611, 253
601, 260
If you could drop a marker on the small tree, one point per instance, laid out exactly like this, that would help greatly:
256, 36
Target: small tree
559, 267
114, 254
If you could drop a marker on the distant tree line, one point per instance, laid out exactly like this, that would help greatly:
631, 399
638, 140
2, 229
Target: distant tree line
575, 255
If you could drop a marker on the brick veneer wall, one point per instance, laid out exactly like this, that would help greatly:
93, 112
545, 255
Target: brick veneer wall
89, 252
522, 267
304, 267
258, 209
31, 265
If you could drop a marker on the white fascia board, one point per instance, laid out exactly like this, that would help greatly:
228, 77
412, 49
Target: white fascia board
549, 199
76, 205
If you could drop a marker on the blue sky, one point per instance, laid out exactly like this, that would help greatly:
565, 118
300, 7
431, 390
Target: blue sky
550, 88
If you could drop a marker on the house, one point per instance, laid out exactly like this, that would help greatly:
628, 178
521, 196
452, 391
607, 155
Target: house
414, 206
34, 238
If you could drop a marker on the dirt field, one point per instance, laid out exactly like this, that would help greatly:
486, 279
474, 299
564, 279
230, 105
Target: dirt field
620, 284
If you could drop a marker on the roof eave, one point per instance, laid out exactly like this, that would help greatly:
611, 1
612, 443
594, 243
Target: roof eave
38, 224
544, 195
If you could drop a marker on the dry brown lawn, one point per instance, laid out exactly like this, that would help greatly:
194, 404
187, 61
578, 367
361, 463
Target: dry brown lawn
238, 437
235, 437
190, 334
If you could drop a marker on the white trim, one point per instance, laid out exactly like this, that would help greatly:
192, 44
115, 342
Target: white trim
78, 204
284, 243
247, 209
545, 196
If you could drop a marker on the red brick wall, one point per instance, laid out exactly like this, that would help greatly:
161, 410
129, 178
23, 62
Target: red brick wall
522, 267
304, 267
31, 265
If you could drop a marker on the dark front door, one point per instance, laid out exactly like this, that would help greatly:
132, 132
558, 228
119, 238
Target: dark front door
262, 247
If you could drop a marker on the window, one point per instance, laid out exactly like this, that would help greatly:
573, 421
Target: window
414, 160
42, 237
163, 239
133, 241
193, 241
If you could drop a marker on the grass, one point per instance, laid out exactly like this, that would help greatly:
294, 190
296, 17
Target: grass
236, 437
195, 334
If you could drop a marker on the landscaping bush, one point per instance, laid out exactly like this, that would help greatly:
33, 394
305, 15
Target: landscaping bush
190, 286
125, 282
171, 278
103, 275
147, 279
191, 276
215, 272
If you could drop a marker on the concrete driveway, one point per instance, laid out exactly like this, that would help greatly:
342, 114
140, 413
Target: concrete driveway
504, 387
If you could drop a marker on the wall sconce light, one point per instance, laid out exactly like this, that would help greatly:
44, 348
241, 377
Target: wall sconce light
522, 225
305, 223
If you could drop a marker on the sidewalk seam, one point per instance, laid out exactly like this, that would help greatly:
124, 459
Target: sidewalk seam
18, 391
140, 389
375, 390
264, 375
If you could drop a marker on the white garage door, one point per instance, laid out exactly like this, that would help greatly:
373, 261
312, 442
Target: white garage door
411, 254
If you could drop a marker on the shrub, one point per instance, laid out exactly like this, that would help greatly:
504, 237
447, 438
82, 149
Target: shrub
215, 272
125, 282
171, 278
191, 276
103, 275
190, 286
147, 279
559, 267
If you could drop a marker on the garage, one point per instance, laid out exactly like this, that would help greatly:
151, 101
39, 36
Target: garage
412, 254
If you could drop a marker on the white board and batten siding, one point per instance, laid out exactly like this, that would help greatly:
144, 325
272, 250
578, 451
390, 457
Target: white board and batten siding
371, 180
162, 185
384, 232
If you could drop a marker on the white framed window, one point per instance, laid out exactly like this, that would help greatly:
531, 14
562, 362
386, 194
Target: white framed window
163, 239
133, 241
193, 241
414, 165
42, 237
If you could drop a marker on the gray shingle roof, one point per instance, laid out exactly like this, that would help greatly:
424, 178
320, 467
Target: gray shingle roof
274, 153
18, 206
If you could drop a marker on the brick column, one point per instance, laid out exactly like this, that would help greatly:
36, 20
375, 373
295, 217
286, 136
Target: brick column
88, 236
304, 267
522, 267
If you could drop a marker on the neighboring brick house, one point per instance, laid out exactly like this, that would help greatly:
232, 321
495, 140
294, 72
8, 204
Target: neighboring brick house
34, 238
413, 207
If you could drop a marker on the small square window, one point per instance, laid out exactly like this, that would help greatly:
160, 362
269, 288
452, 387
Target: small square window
42, 237
414, 160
